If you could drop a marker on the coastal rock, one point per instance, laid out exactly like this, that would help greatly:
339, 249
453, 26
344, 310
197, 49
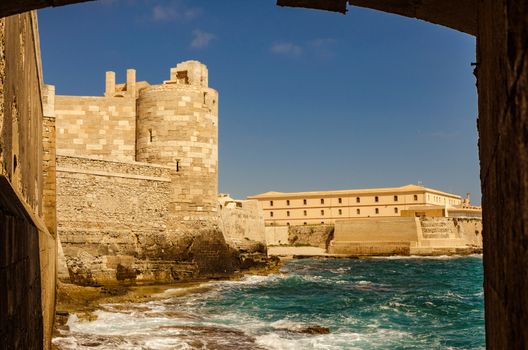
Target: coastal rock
315, 329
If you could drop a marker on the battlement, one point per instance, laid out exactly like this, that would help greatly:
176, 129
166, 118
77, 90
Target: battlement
185, 73
128, 89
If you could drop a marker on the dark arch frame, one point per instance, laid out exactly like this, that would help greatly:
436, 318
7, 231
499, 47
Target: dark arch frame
501, 28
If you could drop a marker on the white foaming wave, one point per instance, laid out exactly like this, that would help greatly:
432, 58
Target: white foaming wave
65, 342
335, 341
313, 278
247, 323
114, 323
166, 343
426, 257
454, 295
364, 282
287, 324
248, 280
255, 279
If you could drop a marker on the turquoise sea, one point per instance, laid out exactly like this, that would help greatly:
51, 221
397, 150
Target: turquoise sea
379, 303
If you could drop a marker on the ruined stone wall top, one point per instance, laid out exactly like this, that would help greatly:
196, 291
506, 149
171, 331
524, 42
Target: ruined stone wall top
189, 73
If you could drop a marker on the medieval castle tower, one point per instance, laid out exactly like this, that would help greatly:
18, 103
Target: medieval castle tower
136, 174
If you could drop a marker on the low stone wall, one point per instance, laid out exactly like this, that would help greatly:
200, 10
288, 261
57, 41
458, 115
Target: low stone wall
243, 224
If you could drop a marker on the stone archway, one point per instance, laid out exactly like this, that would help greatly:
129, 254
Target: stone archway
501, 28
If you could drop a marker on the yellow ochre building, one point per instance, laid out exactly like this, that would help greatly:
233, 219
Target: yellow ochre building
324, 207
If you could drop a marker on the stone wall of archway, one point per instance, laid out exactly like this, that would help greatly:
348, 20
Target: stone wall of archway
501, 27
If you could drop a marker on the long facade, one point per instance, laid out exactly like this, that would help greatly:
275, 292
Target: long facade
324, 207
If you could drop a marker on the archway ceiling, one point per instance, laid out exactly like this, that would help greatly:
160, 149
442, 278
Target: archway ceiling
457, 14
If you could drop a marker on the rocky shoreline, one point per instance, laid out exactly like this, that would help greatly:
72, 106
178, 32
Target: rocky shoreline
83, 301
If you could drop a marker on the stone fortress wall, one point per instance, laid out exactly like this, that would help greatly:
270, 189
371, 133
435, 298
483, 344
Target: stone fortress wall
97, 127
137, 180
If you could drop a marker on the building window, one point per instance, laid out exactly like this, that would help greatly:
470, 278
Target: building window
322, 212
304, 201
340, 212
415, 197
304, 223
376, 199
304, 212
377, 211
322, 201
288, 213
395, 198
151, 136
322, 222
271, 214
340, 200
358, 200
358, 211
287, 224
271, 203
395, 210
287, 202
177, 165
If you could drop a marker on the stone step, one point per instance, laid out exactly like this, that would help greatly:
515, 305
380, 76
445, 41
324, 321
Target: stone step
436, 235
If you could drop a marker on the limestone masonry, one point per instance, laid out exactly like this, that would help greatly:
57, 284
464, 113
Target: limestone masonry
137, 180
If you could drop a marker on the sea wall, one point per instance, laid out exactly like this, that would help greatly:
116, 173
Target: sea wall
407, 236
441, 235
27, 249
390, 236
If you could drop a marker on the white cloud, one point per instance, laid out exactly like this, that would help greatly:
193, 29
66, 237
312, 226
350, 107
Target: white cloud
201, 39
174, 10
285, 48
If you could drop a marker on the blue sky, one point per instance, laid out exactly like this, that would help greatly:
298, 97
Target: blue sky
309, 100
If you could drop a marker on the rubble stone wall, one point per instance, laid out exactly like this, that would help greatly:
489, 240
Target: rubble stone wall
109, 208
